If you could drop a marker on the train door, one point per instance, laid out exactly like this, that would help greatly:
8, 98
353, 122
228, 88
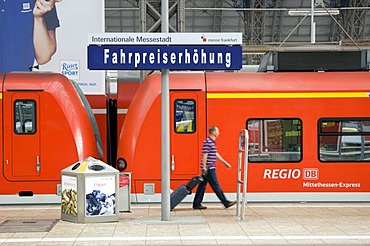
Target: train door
186, 131
22, 136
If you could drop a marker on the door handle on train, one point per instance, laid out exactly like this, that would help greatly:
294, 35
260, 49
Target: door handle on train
172, 163
37, 164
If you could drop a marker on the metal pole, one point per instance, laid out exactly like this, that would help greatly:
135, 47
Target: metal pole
313, 26
240, 156
244, 198
165, 196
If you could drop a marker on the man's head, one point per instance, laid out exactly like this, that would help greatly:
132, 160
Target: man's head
214, 132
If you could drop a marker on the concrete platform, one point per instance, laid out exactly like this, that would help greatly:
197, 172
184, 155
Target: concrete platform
267, 224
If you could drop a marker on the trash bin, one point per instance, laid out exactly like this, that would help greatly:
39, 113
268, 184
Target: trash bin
89, 189
124, 192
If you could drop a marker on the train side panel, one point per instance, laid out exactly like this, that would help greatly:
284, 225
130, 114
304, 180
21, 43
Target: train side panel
46, 129
1, 120
286, 113
140, 139
303, 99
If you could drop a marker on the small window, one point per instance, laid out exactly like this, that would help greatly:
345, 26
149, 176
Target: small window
185, 116
25, 117
275, 140
344, 140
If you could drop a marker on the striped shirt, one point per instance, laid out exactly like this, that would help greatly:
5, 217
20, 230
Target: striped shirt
209, 147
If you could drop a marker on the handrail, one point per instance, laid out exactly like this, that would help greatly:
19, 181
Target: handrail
242, 171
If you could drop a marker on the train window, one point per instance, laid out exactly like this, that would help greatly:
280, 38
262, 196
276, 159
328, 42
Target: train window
24, 116
275, 140
344, 140
184, 116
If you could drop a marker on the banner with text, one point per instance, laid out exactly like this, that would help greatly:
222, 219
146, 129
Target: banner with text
223, 38
175, 51
220, 57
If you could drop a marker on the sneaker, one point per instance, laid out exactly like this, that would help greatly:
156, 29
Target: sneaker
230, 204
199, 207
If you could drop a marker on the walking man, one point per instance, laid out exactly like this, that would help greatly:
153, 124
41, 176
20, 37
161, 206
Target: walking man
208, 167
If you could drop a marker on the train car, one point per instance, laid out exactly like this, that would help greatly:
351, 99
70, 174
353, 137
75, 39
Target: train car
46, 125
309, 133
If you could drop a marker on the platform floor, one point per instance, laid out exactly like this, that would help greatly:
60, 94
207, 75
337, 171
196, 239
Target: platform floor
264, 224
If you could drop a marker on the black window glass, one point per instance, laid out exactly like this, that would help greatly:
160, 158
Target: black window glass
24, 116
185, 112
275, 140
344, 140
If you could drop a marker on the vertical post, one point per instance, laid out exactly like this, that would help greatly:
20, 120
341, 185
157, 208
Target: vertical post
245, 177
313, 25
165, 187
242, 149
239, 181
143, 22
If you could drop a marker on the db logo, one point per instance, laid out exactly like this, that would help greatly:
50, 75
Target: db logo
310, 173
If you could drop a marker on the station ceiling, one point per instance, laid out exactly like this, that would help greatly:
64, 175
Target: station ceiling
265, 24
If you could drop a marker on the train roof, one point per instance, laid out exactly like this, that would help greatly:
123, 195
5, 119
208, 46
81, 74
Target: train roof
288, 81
36, 81
236, 82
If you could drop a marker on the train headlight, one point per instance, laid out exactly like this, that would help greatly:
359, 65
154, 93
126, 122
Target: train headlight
121, 164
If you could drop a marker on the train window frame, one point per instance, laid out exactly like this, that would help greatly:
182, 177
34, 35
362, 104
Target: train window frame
194, 121
353, 139
20, 127
264, 156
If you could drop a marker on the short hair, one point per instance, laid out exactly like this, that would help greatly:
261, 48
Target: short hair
212, 129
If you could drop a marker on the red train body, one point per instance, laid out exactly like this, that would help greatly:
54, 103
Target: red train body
309, 133
46, 125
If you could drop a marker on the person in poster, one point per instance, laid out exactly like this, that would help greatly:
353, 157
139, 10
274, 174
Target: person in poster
27, 33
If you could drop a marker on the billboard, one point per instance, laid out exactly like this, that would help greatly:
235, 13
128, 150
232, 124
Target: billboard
76, 18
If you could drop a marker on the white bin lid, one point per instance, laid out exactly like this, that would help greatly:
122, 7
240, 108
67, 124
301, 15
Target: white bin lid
90, 165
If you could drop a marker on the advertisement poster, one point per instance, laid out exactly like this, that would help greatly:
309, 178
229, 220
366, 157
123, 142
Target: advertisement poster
71, 22
69, 195
274, 135
100, 195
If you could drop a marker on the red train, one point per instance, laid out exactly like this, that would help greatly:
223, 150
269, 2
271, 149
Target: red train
309, 133
46, 125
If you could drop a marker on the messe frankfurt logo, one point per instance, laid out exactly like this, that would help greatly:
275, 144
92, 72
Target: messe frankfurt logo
203, 37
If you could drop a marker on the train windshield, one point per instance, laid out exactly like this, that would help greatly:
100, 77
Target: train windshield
185, 116
344, 140
25, 116
275, 140
91, 117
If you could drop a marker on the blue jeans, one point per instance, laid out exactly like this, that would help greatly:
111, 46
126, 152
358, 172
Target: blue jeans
210, 178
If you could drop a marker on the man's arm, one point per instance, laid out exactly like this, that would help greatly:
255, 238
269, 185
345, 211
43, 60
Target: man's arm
223, 160
204, 163
44, 40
